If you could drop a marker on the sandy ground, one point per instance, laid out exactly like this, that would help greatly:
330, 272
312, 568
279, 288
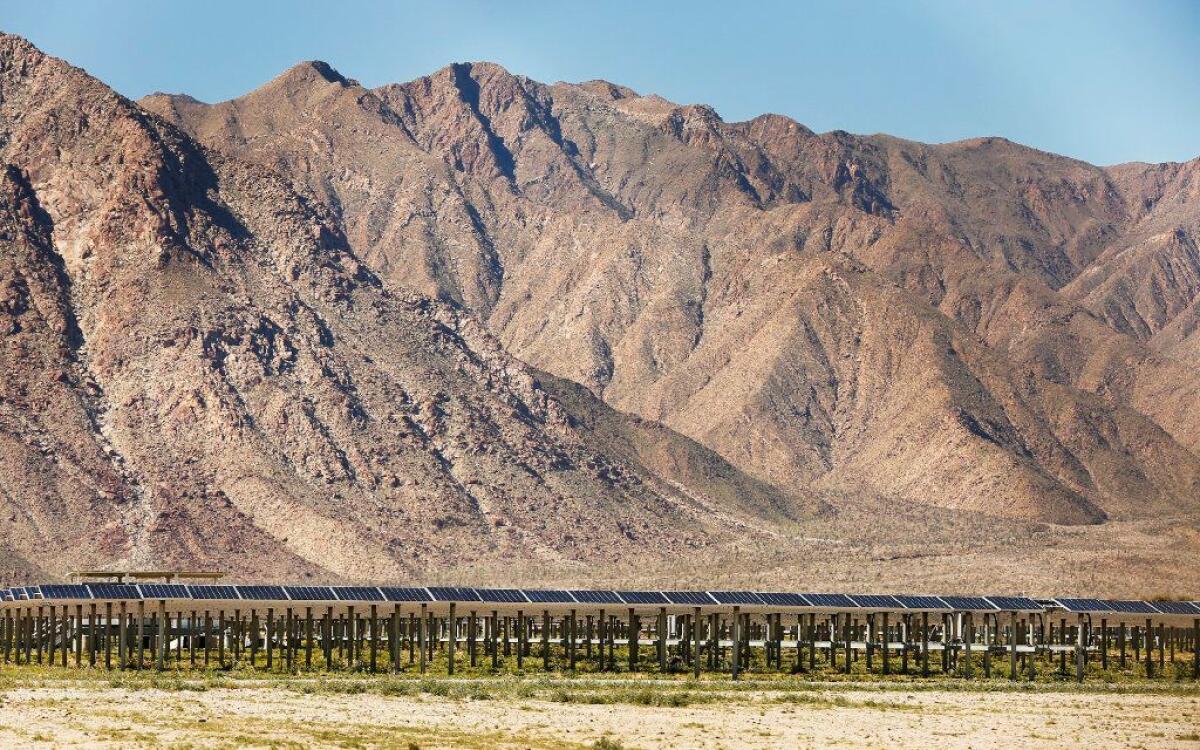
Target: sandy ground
83, 716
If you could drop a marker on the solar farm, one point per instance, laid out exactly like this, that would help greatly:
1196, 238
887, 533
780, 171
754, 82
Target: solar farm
392, 629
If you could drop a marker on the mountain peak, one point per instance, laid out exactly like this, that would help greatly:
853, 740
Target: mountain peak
314, 72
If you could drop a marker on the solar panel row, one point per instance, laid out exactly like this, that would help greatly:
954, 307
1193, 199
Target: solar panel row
588, 596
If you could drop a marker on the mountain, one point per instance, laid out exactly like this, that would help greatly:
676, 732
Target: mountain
848, 313
475, 328
198, 371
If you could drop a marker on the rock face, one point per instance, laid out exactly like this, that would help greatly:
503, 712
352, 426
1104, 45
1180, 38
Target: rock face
975, 326
198, 370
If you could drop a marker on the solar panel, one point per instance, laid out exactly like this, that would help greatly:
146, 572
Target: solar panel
263, 593
835, 601
876, 601
642, 597
784, 599
163, 591
113, 591
212, 592
596, 597
34, 592
695, 598
357, 593
20, 594
910, 601
66, 591
501, 596
453, 594
310, 593
1130, 607
541, 596
1015, 603
1176, 608
1082, 605
737, 597
402, 594
969, 603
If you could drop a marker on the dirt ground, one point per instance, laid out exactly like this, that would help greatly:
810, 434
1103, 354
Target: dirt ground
82, 715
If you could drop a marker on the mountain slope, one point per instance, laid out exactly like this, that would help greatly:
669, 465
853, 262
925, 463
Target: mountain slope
737, 282
199, 371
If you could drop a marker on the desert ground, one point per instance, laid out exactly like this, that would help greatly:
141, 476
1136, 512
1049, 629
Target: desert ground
561, 712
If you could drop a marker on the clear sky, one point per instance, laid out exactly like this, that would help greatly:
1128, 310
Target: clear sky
1099, 80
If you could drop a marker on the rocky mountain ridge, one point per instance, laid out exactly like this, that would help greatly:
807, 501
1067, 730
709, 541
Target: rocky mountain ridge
476, 327
829, 310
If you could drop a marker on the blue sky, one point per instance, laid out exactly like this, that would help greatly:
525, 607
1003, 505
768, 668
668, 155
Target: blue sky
1102, 81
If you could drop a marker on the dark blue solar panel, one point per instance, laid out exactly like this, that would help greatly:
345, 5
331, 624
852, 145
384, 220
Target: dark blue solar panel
501, 596
310, 593
909, 601
262, 593
1082, 605
835, 601
65, 591
1015, 603
642, 597
876, 601
540, 596
402, 594
212, 592
784, 599
20, 594
358, 593
163, 591
1176, 608
34, 592
694, 598
1131, 607
969, 603
113, 591
453, 594
737, 597
596, 597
